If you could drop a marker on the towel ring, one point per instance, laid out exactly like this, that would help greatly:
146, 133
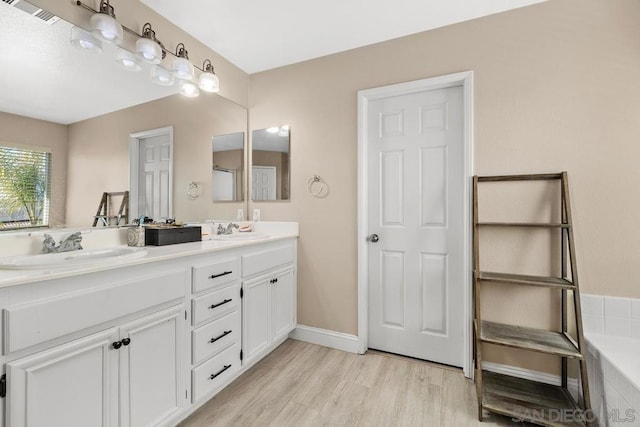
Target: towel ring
193, 191
317, 186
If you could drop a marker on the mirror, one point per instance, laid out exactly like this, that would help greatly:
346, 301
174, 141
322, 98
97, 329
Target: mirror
228, 167
270, 164
84, 112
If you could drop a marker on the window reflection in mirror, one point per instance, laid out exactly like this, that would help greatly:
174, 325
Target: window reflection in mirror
228, 167
270, 164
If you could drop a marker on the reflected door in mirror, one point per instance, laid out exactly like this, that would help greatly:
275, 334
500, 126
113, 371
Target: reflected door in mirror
228, 167
270, 163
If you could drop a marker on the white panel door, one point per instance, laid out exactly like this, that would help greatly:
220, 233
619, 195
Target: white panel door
154, 181
72, 385
152, 368
263, 182
415, 176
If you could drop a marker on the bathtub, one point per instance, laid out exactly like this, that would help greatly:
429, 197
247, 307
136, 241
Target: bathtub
612, 333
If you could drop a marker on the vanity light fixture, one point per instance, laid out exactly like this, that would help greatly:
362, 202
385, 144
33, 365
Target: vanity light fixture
209, 82
161, 76
189, 89
104, 24
128, 60
182, 68
84, 40
148, 47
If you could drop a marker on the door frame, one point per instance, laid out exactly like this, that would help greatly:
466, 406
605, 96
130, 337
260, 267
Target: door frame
464, 79
134, 166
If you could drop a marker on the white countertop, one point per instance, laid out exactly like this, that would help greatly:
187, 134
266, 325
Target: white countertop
280, 231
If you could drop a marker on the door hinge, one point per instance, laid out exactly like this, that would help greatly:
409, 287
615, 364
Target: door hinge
3, 386
241, 293
240, 354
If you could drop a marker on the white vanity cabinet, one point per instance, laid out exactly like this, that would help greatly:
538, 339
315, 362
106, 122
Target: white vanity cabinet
127, 376
143, 344
269, 302
100, 349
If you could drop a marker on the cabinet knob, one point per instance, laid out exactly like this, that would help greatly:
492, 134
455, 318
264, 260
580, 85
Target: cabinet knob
126, 341
117, 344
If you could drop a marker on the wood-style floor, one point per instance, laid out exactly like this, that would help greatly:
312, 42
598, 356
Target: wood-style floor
302, 384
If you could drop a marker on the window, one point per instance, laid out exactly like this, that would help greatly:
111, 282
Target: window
25, 182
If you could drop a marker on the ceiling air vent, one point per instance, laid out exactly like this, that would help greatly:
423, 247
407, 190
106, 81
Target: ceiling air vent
32, 10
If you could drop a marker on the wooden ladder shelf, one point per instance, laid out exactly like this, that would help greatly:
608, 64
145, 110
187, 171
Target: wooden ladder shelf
527, 400
102, 215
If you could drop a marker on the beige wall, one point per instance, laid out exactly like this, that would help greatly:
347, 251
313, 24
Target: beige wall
98, 158
134, 14
555, 89
27, 131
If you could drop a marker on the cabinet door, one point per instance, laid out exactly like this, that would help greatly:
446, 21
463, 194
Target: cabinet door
153, 368
256, 319
75, 384
284, 305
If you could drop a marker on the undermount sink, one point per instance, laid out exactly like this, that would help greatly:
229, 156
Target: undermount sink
240, 236
71, 259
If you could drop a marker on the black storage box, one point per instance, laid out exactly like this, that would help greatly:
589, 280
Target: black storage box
170, 236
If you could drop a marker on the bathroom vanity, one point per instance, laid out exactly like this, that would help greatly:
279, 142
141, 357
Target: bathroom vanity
142, 341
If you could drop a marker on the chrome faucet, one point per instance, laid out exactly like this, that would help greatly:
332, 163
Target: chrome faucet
71, 243
228, 229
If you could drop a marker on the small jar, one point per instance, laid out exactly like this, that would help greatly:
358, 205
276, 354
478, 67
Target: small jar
135, 236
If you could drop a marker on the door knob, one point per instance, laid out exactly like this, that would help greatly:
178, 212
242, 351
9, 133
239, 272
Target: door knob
373, 238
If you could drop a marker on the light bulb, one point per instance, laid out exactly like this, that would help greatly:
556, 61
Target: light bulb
189, 89
83, 40
161, 76
127, 60
209, 82
149, 50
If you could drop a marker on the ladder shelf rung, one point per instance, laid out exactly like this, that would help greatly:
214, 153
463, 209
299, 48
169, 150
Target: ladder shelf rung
527, 177
524, 224
539, 340
521, 279
528, 400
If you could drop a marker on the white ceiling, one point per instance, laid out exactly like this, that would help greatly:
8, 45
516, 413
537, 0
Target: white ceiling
45, 77
258, 35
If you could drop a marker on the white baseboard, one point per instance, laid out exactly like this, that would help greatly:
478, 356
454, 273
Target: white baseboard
326, 338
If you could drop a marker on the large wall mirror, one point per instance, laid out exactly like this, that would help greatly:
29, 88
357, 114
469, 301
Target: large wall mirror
83, 109
270, 163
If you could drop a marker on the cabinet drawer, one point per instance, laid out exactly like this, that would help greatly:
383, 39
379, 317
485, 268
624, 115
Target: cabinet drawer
208, 276
211, 338
259, 261
214, 372
215, 304
36, 322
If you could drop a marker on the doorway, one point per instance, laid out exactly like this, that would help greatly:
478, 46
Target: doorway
414, 233
263, 183
151, 173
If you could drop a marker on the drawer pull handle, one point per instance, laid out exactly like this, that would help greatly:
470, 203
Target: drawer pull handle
212, 340
215, 276
212, 306
213, 376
